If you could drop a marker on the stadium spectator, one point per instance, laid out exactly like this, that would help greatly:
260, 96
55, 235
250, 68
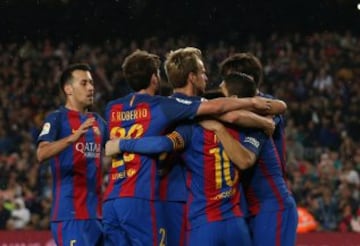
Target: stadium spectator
5, 215
20, 215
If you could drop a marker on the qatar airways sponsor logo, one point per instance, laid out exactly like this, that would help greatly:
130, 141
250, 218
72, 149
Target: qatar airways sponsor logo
89, 149
252, 141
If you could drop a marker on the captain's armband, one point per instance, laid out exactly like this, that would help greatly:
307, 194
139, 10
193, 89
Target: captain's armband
177, 140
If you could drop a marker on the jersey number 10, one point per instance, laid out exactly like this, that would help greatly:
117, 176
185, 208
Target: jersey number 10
222, 168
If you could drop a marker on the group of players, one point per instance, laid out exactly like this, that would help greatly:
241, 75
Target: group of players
184, 170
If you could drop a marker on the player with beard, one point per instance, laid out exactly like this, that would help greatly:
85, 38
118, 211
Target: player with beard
71, 140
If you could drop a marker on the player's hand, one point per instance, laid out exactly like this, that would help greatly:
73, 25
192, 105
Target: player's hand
112, 147
84, 127
262, 104
269, 126
211, 125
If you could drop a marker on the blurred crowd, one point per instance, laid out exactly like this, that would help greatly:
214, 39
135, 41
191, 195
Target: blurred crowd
317, 74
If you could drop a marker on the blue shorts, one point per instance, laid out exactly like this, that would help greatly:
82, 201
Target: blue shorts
133, 221
175, 222
228, 232
274, 228
77, 232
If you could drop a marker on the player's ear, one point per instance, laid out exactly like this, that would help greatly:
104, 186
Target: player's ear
155, 80
68, 89
192, 77
154, 77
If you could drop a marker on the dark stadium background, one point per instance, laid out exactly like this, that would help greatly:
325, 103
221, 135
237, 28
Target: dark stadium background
95, 20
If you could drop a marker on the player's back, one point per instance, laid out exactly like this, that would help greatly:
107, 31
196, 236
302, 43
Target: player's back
135, 116
211, 178
264, 183
279, 135
173, 185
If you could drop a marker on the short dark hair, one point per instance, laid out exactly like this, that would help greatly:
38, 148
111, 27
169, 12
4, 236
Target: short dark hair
240, 84
138, 67
66, 75
243, 63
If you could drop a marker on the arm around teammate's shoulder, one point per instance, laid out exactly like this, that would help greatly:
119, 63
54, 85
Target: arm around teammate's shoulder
237, 153
223, 105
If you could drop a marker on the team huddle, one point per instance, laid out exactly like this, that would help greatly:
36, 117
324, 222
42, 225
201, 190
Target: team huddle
184, 170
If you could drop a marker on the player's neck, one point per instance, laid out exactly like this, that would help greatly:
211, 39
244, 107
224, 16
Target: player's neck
75, 107
187, 90
148, 91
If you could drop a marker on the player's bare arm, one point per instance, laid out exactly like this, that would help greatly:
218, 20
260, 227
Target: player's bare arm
245, 118
238, 154
47, 149
276, 107
223, 105
112, 147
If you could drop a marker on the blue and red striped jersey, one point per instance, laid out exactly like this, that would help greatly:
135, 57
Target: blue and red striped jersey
280, 141
77, 170
264, 185
279, 136
134, 116
212, 179
173, 185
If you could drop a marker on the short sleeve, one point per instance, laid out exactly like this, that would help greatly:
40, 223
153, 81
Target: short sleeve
180, 109
254, 140
50, 128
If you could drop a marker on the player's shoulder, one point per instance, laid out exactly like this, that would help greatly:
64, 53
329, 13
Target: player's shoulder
51, 121
114, 102
183, 100
55, 114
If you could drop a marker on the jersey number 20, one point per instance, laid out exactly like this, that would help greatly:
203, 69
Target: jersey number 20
135, 131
